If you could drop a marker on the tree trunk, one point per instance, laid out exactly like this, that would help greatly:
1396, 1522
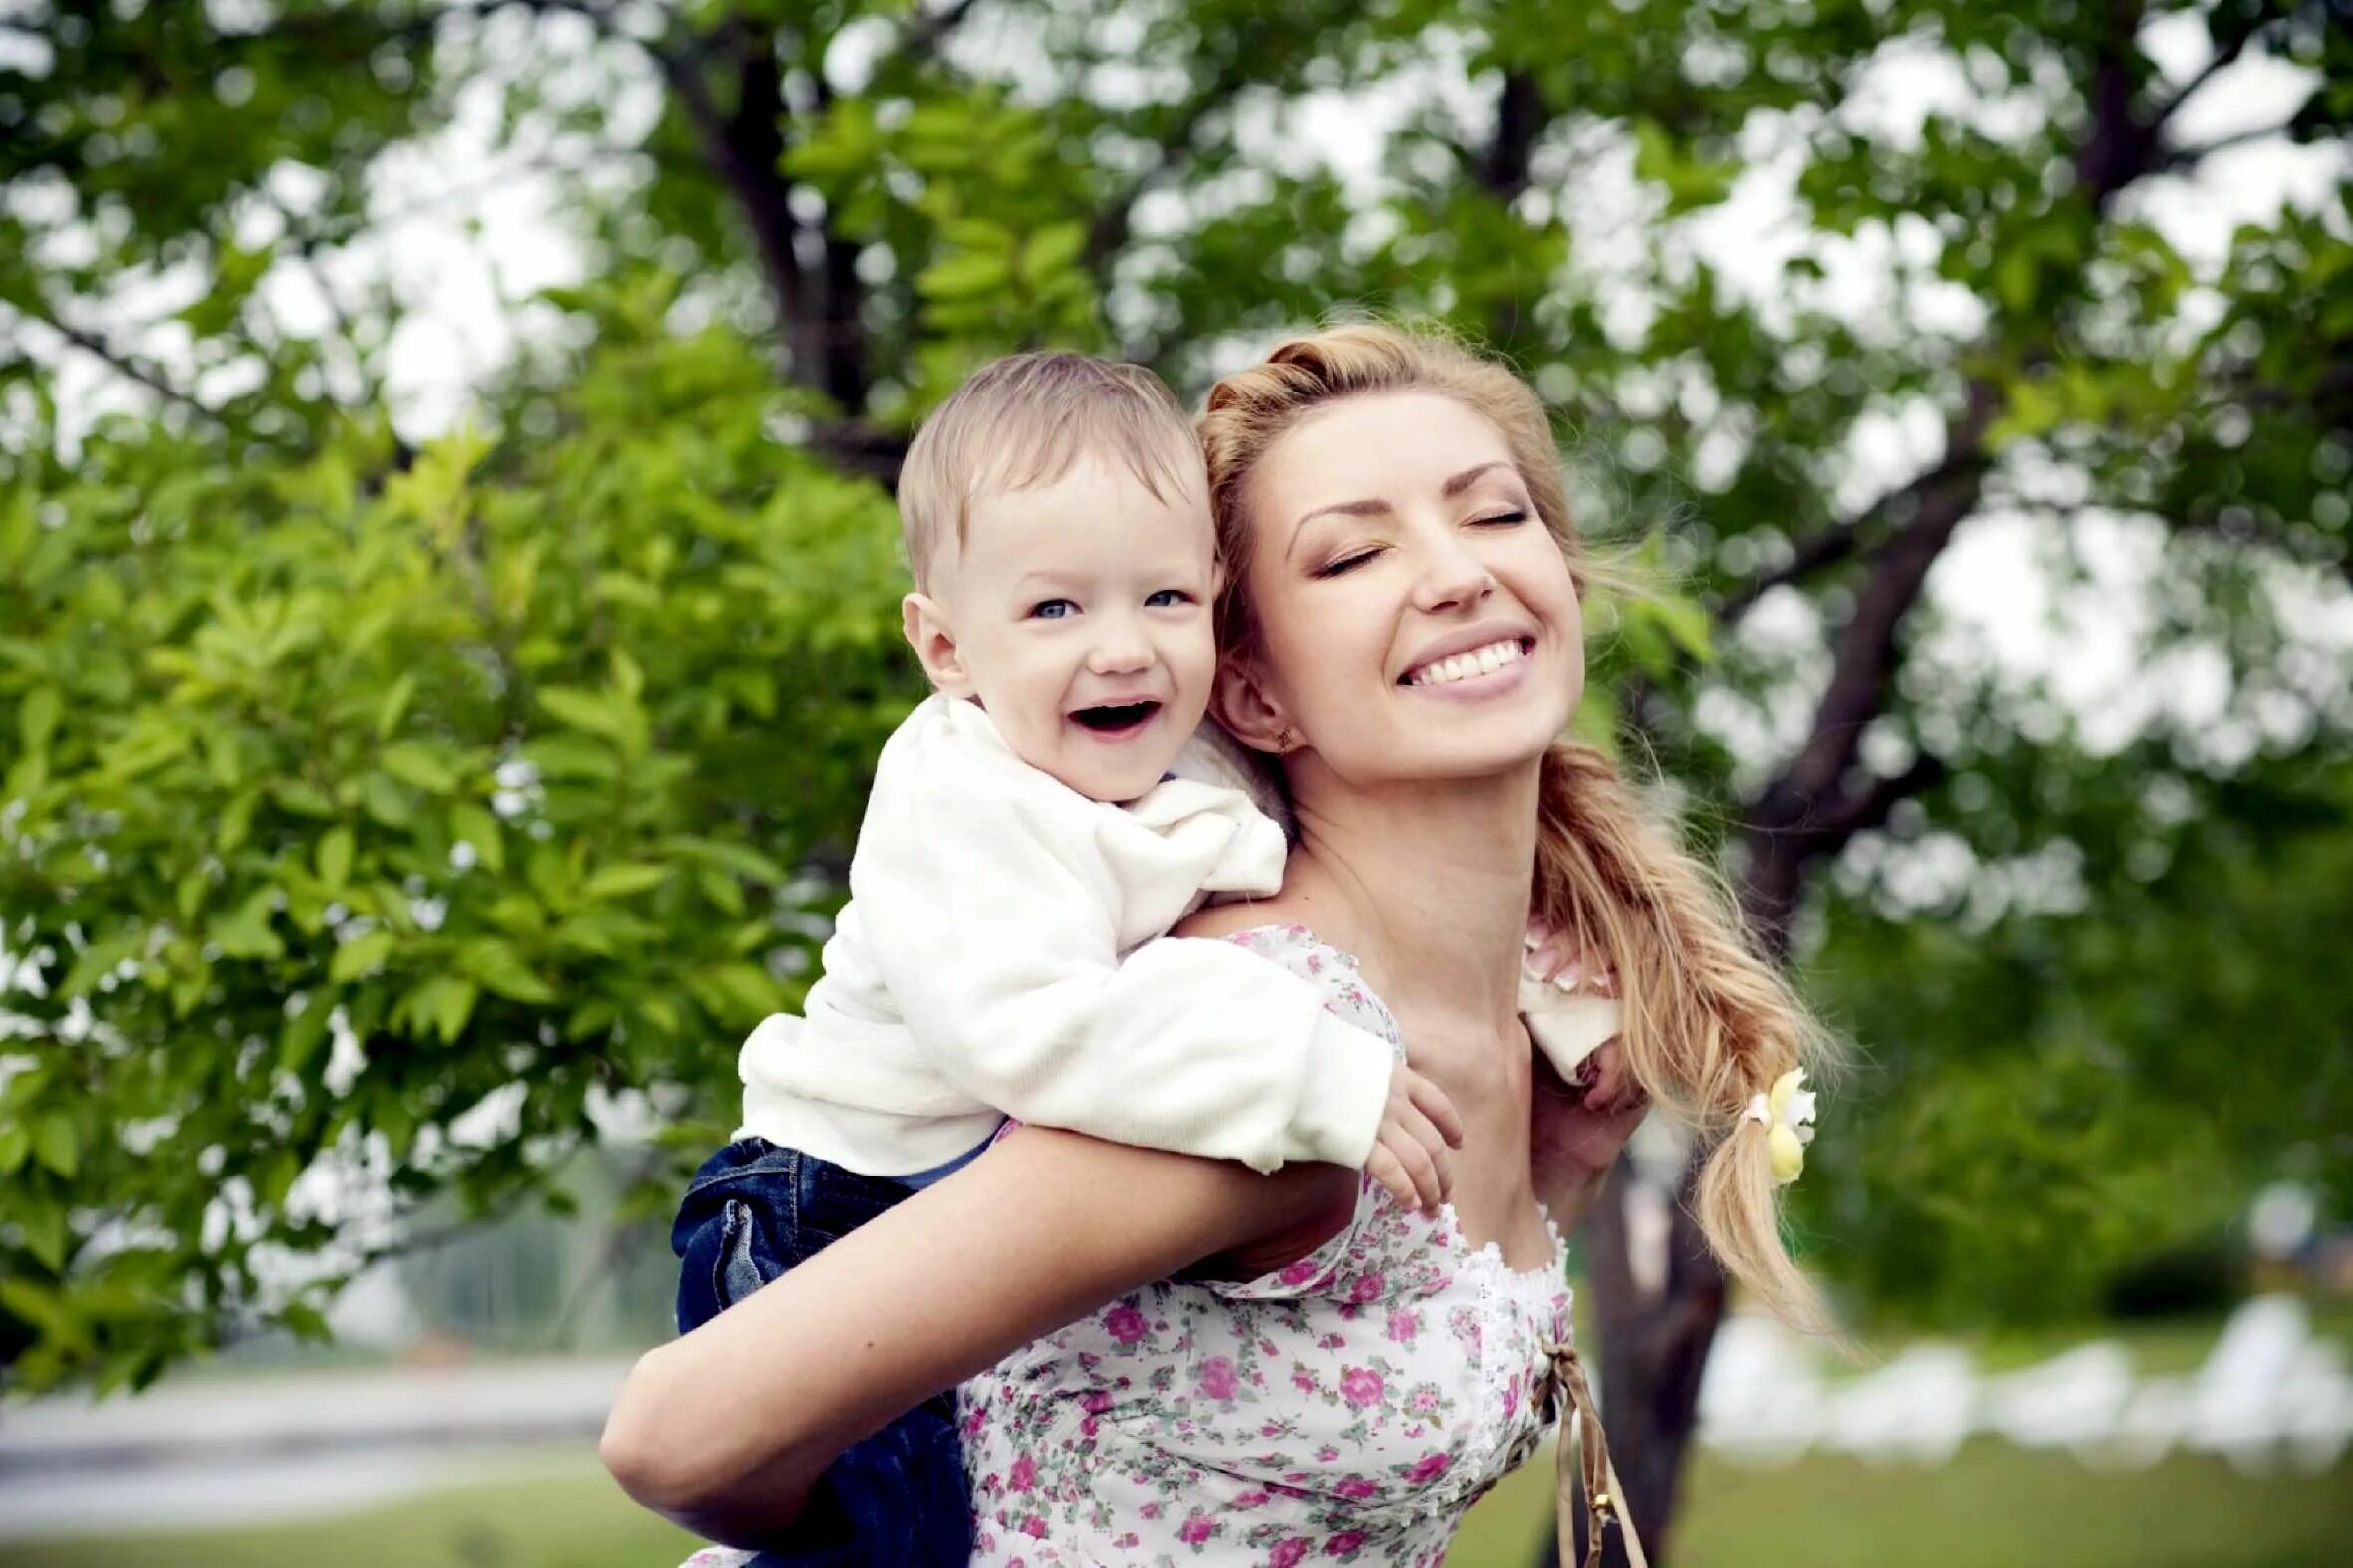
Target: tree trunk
1654, 1350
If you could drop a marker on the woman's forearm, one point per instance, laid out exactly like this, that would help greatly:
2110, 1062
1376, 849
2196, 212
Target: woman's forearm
726, 1429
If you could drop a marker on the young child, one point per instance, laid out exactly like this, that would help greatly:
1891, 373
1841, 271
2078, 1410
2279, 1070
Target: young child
1023, 852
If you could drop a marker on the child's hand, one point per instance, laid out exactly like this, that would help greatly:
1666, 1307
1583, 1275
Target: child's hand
1413, 1156
1556, 958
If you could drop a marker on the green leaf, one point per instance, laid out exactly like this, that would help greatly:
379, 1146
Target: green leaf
37, 720
501, 970
387, 801
44, 1222
1051, 250
245, 933
583, 709
619, 882
443, 1002
15, 1144
963, 275
303, 1034
57, 1144
414, 764
301, 798
335, 858
479, 828
362, 955
394, 705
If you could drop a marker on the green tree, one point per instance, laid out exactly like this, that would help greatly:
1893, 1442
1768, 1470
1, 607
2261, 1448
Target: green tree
263, 664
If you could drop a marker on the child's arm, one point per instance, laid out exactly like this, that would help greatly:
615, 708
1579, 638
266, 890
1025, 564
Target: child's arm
996, 944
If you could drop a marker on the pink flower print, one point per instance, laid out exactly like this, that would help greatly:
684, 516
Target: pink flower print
1196, 1530
1217, 1379
1429, 1469
1095, 1401
1345, 1544
1403, 1325
1303, 1381
1298, 1273
1250, 1499
1356, 1488
1359, 1386
1422, 1402
1150, 1510
1125, 1324
1511, 1398
1034, 1527
1288, 1554
1367, 1287
1324, 1455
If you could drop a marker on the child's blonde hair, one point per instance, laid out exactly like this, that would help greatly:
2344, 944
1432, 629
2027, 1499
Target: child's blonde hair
1026, 419
1709, 1024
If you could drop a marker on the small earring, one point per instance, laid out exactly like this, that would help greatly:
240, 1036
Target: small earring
1288, 741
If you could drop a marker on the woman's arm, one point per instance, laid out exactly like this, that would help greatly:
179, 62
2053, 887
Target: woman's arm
726, 1429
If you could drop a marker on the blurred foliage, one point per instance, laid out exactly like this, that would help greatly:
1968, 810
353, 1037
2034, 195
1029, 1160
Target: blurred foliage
511, 752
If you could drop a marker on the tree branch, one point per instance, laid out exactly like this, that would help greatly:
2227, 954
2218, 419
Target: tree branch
928, 33
1802, 804
1520, 117
2226, 52
1861, 810
2174, 160
1112, 226
119, 361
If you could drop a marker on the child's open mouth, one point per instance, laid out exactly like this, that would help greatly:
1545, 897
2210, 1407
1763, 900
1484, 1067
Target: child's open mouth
1117, 722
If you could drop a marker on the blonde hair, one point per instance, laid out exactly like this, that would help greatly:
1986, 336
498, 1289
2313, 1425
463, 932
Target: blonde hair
1708, 1022
1026, 419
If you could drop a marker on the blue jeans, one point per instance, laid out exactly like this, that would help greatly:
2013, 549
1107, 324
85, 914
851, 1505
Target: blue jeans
899, 1498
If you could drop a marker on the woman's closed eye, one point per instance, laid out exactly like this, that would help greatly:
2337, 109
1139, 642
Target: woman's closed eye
1053, 609
1346, 563
1500, 519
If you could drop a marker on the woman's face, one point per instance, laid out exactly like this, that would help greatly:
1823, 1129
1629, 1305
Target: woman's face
1418, 618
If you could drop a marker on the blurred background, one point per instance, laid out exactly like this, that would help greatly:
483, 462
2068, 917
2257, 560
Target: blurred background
447, 608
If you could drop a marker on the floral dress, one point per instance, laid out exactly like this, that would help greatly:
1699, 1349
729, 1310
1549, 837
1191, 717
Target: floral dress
1349, 1407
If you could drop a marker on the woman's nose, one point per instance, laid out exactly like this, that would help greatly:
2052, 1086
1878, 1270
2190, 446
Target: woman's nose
1452, 577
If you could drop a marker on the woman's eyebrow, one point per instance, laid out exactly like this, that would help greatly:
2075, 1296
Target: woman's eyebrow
1375, 506
1469, 476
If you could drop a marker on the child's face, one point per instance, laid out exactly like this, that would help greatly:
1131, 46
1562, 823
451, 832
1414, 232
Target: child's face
1078, 614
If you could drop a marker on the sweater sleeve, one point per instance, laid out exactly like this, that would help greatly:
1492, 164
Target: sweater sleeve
983, 909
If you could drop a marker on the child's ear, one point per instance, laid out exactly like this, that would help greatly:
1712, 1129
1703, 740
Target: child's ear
1242, 704
933, 638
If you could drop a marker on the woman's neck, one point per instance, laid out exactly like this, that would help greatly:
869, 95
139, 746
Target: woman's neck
1428, 882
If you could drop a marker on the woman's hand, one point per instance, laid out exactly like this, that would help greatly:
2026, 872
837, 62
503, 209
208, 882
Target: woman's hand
1576, 1131
1579, 1126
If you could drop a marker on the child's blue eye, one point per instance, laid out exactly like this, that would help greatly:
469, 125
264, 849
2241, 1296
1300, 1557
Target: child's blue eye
1052, 610
1162, 597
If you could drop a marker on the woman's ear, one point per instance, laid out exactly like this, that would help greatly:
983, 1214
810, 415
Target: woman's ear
933, 638
1240, 702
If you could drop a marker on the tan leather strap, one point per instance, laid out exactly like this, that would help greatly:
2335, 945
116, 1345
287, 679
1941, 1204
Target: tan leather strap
1584, 1474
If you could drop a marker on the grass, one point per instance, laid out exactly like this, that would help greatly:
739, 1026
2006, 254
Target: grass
1995, 1506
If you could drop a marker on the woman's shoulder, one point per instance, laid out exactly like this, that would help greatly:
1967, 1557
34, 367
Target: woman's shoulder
1277, 931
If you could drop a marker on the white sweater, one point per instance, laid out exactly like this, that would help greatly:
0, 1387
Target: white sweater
997, 956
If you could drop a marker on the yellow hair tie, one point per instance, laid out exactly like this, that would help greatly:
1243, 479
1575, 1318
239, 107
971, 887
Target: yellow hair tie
1787, 1116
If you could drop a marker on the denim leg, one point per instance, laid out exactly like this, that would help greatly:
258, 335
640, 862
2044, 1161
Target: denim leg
896, 1499
736, 1227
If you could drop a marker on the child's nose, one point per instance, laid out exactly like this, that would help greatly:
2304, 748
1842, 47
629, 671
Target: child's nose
1121, 651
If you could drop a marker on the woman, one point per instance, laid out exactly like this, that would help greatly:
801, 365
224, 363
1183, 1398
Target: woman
1317, 1371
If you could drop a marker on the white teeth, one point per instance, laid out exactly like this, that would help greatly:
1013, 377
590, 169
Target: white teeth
1461, 667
